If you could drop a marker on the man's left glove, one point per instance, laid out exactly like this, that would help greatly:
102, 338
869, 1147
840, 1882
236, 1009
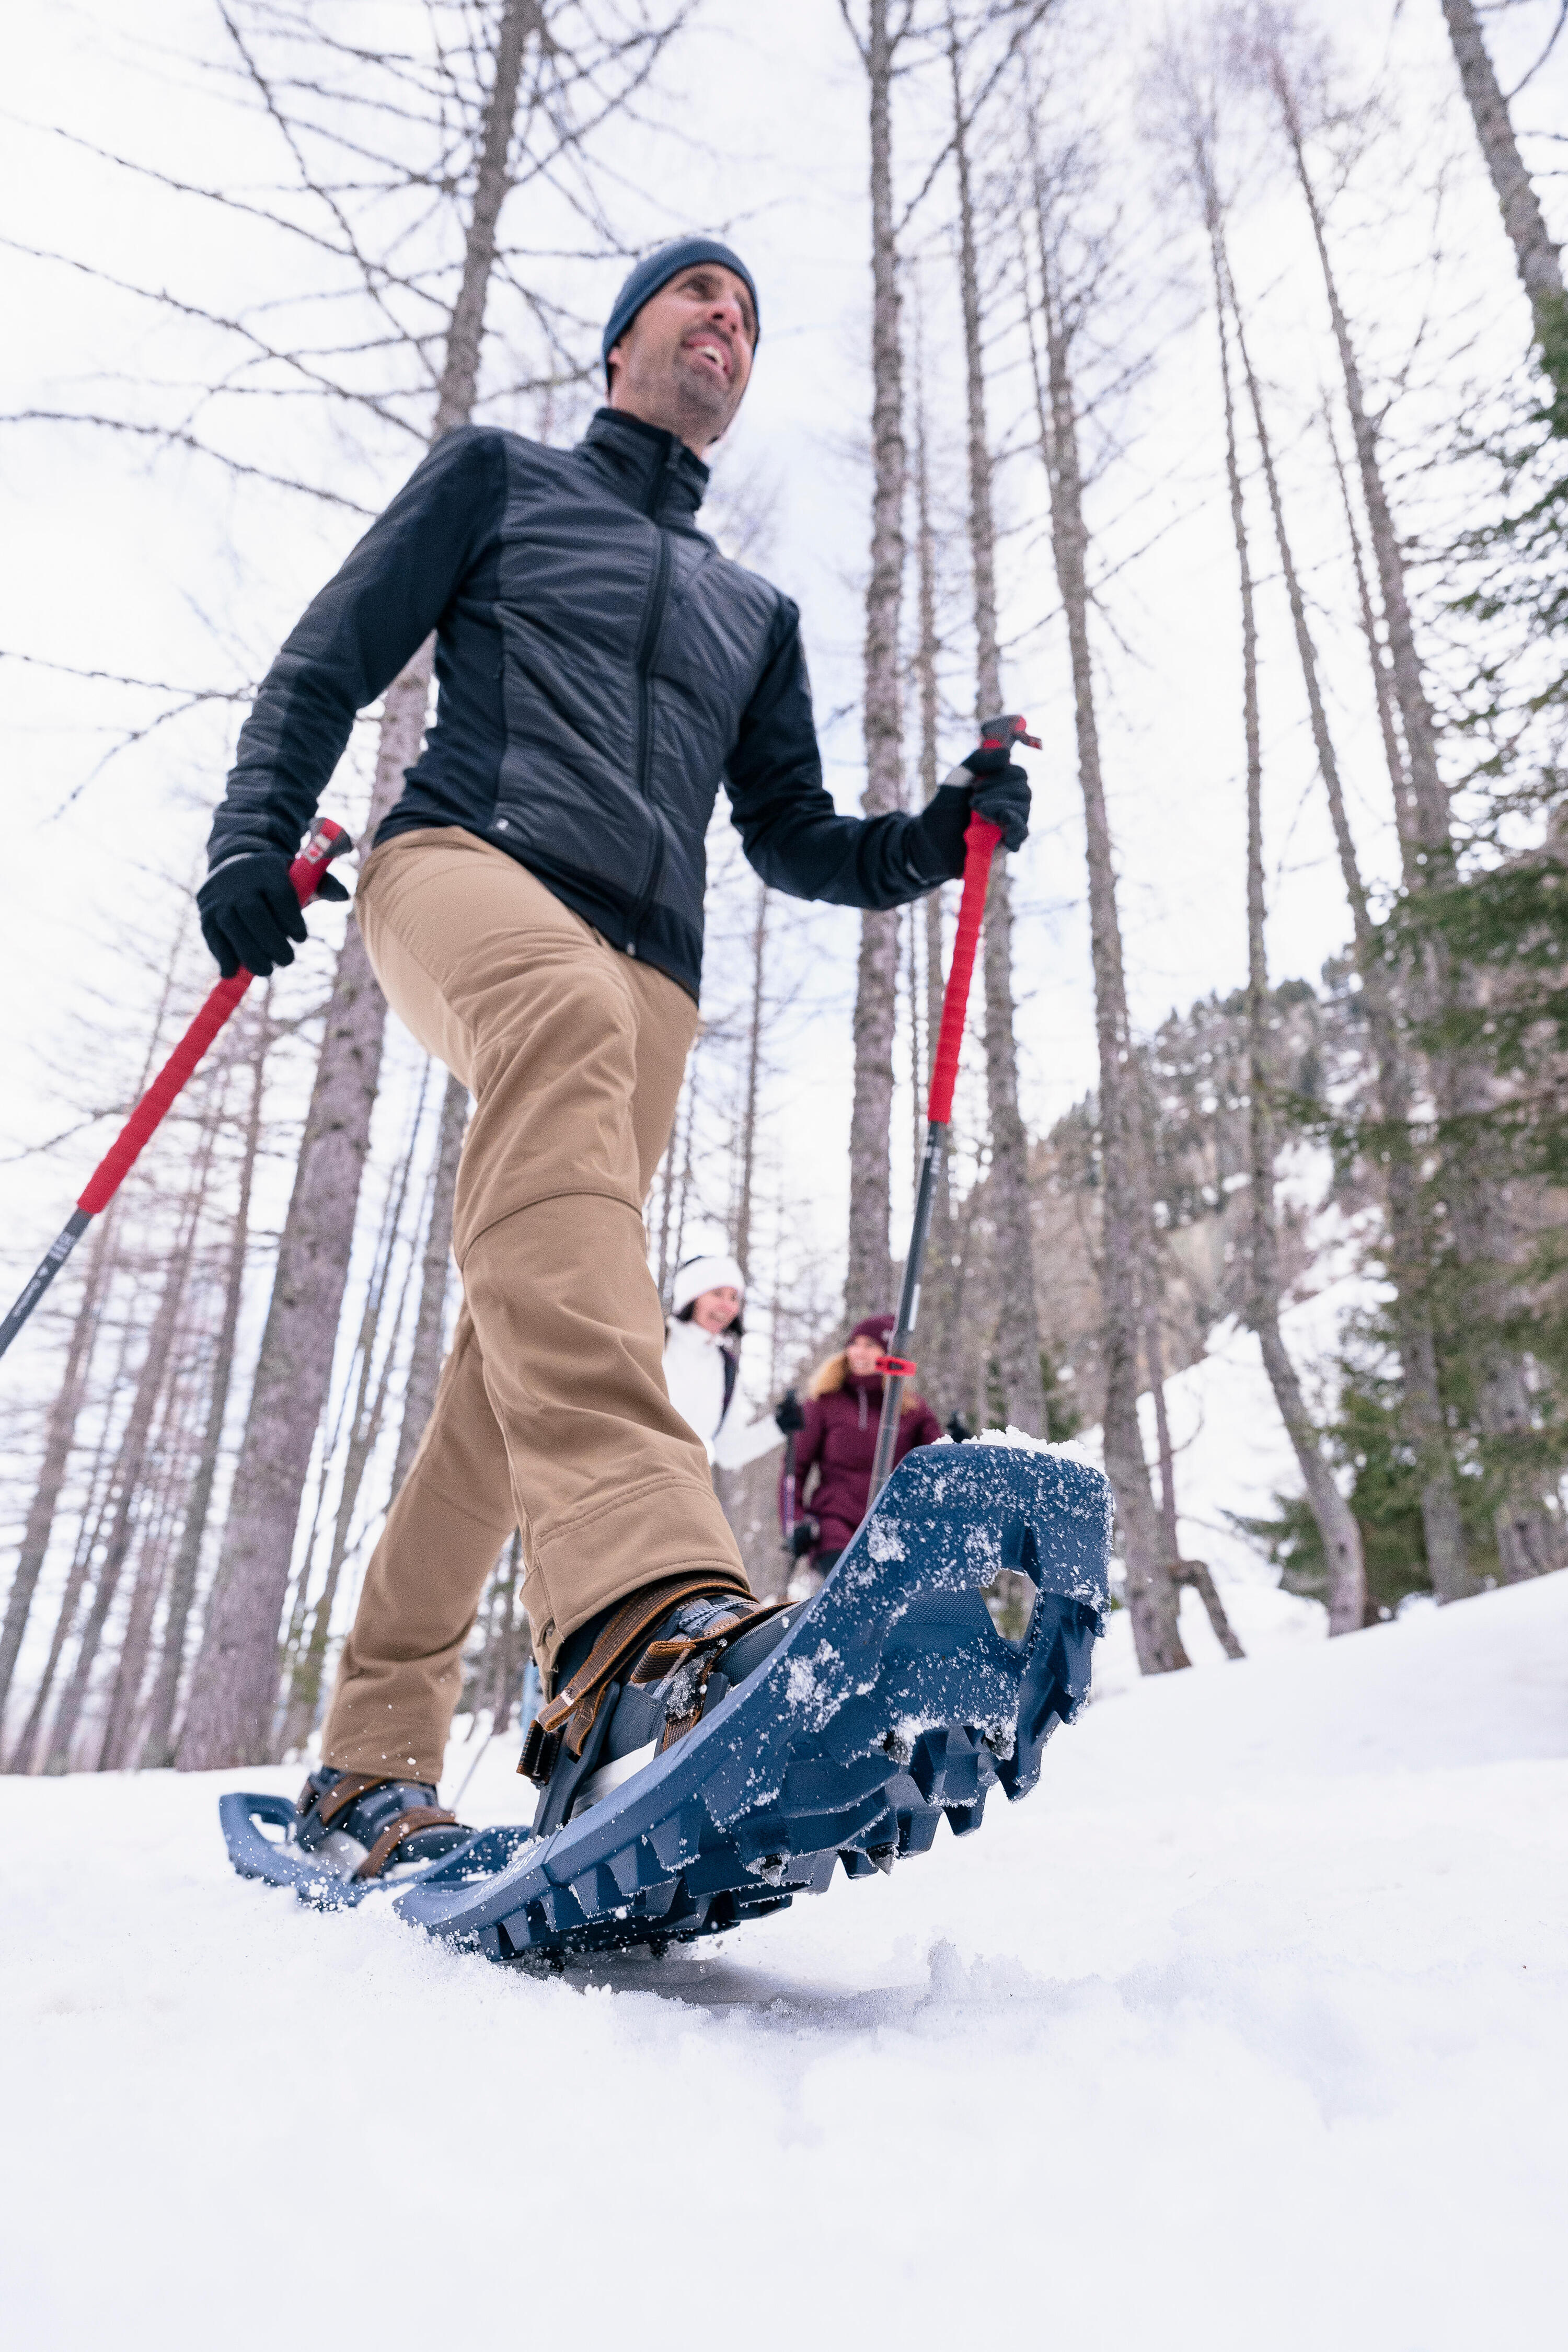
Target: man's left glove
249, 912
991, 784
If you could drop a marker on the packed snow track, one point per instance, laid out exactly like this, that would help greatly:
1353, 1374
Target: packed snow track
1249, 2030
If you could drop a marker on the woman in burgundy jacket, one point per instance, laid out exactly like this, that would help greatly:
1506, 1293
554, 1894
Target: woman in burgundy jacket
839, 1433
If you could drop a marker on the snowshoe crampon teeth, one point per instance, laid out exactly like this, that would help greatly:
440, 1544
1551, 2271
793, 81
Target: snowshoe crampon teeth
891, 1700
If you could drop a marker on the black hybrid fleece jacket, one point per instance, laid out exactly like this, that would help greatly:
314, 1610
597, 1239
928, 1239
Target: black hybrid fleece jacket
601, 669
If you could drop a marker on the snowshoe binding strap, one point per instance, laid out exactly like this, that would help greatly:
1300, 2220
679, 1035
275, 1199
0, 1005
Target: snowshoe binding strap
416, 1817
572, 1714
662, 1659
319, 1808
323, 1806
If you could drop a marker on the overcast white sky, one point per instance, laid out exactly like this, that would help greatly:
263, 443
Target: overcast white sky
125, 562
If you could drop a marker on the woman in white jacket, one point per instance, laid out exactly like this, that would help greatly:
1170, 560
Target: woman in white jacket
701, 1369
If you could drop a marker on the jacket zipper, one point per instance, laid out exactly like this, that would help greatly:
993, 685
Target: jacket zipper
652, 622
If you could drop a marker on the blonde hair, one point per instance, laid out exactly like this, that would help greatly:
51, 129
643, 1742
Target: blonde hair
833, 1373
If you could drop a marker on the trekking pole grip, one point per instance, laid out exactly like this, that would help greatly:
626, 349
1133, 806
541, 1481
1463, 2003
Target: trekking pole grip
979, 840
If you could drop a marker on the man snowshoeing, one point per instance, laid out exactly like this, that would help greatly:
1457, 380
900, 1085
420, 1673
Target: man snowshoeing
532, 909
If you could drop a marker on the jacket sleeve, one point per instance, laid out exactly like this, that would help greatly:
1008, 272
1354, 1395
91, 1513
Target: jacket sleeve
928, 1429
788, 825
354, 639
918, 1426
739, 1441
808, 1450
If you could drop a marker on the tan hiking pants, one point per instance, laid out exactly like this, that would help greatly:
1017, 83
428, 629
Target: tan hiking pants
552, 1414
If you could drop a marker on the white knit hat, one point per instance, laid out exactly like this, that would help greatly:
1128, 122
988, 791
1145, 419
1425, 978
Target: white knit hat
700, 1273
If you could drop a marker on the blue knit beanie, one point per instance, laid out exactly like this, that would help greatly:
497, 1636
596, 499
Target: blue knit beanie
657, 269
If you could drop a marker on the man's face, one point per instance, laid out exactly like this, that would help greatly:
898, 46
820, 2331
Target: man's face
684, 361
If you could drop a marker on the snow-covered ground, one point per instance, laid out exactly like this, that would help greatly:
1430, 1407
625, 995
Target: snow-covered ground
1249, 2030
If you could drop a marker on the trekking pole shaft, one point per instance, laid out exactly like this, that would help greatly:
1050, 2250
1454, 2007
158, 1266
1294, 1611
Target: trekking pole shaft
980, 842
789, 1489
327, 841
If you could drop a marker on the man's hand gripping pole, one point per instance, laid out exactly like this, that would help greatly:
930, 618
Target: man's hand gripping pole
327, 841
979, 840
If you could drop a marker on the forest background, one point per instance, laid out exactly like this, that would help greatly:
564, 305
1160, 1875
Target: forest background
236, 252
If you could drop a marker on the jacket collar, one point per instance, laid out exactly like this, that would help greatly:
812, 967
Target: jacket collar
692, 1336
652, 469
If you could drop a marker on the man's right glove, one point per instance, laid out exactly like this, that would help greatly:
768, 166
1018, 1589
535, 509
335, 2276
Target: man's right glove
994, 786
249, 912
807, 1535
791, 1414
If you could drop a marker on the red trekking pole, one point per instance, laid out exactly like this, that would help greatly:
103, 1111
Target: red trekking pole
979, 841
327, 841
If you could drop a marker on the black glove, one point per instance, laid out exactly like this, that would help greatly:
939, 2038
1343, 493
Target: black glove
249, 912
958, 1429
807, 1535
791, 1414
999, 792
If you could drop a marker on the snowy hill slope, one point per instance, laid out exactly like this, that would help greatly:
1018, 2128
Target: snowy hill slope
1249, 2030
1232, 1460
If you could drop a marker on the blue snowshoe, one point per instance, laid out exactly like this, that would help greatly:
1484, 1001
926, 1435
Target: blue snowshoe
725, 1758
350, 1832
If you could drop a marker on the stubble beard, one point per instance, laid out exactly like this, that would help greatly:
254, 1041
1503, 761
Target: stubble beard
704, 404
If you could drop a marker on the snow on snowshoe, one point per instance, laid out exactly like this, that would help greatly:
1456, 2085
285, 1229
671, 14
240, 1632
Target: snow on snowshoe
887, 1702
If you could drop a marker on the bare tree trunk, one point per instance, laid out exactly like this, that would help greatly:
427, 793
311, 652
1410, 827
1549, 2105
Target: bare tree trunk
1196, 1572
128, 1483
1409, 1257
869, 1285
435, 1275
939, 1370
117, 1747
464, 337
743, 1240
666, 1208
97, 1505
1152, 1596
684, 1196
1335, 1521
229, 1717
159, 1749
1019, 1320
62, 1428
365, 1428
59, 1437
230, 1714
1527, 1533
1430, 802
121, 1723
1539, 261
1152, 1299
504, 1687
1381, 683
